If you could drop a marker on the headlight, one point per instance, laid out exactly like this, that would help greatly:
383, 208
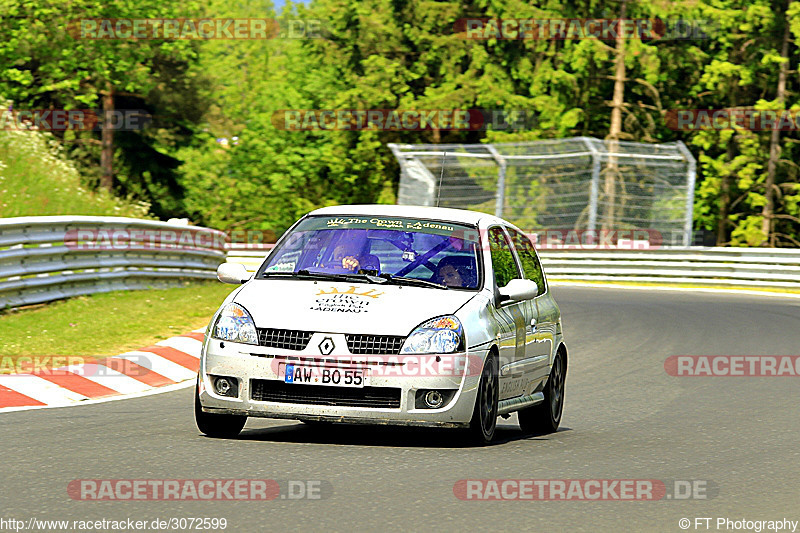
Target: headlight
235, 324
438, 335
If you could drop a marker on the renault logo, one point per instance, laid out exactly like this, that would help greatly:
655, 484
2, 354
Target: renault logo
326, 346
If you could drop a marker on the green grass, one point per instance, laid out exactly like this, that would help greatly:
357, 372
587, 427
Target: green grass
36, 180
108, 324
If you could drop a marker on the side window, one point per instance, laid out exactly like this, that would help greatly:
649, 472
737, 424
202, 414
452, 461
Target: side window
503, 264
532, 268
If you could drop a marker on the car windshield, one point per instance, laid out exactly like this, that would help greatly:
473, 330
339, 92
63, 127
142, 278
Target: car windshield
399, 249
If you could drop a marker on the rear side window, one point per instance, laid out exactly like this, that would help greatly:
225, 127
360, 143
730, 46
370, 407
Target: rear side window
503, 264
532, 268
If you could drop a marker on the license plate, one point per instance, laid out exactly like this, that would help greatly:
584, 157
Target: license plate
332, 377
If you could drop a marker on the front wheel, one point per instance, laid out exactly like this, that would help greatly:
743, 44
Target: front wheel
213, 425
546, 417
484, 417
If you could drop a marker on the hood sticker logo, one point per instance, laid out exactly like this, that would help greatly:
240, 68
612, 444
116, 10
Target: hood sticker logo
352, 290
349, 301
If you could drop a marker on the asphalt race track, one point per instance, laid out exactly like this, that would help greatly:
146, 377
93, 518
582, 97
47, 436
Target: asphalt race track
625, 418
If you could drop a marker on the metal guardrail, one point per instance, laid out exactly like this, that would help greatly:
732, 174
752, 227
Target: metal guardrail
53, 257
249, 255
49, 258
744, 267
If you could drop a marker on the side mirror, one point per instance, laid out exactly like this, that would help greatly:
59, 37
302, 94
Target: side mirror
234, 273
519, 289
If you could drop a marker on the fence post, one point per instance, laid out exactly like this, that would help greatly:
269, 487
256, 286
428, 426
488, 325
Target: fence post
595, 186
501, 180
691, 177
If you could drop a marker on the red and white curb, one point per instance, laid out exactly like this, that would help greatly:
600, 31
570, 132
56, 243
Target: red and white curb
167, 365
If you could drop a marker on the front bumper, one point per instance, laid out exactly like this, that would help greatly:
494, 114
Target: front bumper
247, 363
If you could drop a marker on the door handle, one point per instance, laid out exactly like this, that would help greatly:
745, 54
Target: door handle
533, 325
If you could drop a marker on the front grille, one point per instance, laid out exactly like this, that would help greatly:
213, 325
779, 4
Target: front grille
264, 390
375, 344
286, 339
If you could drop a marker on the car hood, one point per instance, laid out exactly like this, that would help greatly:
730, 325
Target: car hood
336, 307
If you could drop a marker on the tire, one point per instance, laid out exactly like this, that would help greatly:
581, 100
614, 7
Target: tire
218, 426
546, 417
484, 416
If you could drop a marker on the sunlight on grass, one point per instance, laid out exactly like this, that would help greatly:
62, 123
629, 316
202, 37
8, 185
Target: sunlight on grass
110, 323
36, 180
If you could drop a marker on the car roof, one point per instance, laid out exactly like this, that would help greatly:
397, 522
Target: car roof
463, 216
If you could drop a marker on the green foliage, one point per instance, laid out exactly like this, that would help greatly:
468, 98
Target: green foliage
45, 65
217, 151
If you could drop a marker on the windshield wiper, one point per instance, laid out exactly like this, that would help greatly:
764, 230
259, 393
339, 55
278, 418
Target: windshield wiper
369, 278
301, 274
305, 274
401, 280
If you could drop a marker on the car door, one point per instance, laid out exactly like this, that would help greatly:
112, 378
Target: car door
541, 327
510, 316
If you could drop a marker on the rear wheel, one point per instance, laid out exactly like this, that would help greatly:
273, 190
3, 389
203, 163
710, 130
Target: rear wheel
214, 425
546, 417
484, 417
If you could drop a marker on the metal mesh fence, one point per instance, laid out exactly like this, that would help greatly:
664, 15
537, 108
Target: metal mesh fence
579, 183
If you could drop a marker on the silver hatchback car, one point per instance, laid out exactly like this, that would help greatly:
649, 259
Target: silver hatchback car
381, 314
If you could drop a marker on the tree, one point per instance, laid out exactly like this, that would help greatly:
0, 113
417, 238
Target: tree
50, 65
770, 189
